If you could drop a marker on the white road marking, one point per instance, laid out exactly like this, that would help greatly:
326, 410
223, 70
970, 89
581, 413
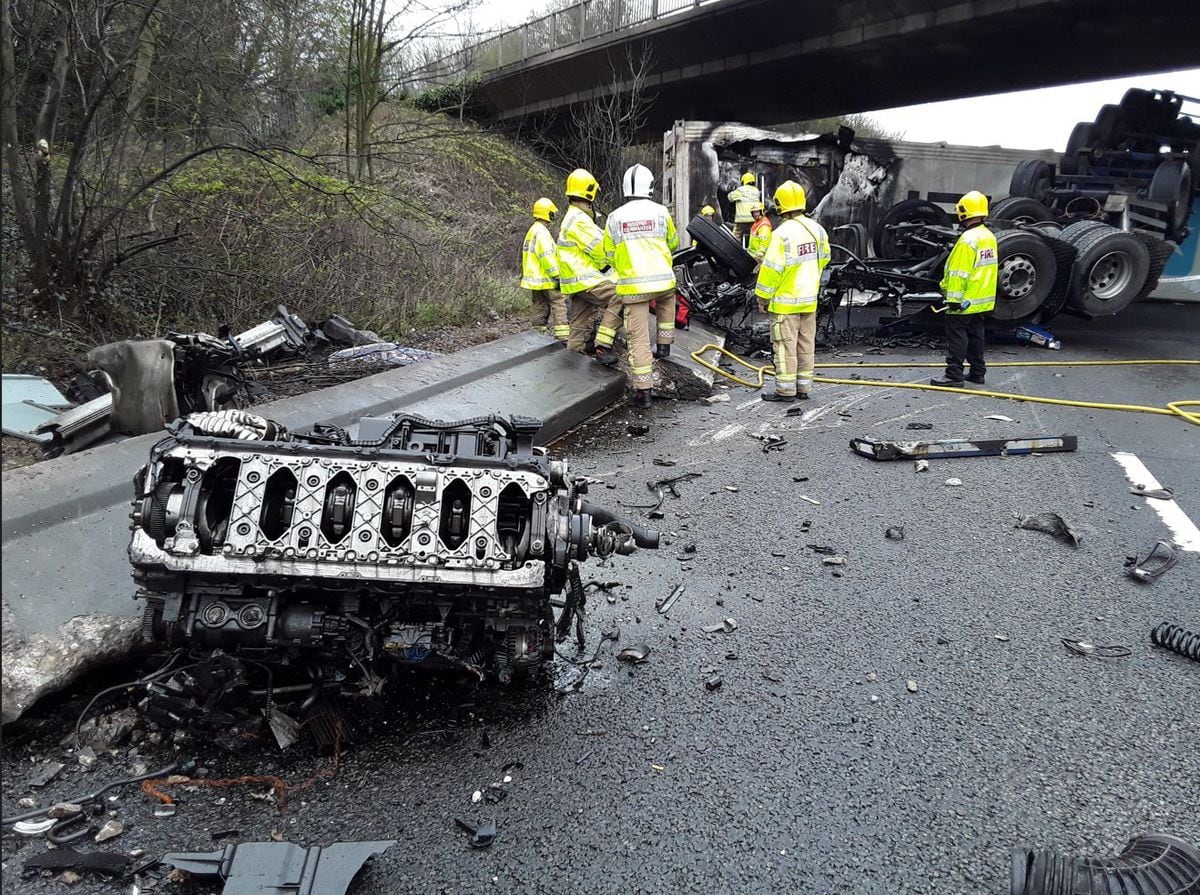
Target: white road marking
1186, 534
750, 403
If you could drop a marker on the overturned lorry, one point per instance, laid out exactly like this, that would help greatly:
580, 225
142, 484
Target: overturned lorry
330, 558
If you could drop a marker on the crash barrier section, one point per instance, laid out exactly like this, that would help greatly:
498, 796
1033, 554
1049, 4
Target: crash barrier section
1172, 408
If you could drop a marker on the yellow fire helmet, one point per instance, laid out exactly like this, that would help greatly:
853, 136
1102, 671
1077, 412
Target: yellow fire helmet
544, 210
757, 206
707, 210
973, 205
582, 185
747, 178
790, 197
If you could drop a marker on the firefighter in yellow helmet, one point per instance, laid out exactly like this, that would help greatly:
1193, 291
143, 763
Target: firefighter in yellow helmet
639, 238
709, 213
760, 232
539, 273
580, 262
789, 283
743, 198
969, 287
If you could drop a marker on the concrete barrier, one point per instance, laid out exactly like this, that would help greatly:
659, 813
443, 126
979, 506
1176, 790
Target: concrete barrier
67, 594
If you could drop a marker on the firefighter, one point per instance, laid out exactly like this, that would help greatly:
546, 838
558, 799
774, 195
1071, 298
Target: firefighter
709, 213
760, 232
969, 286
639, 238
539, 273
743, 198
789, 281
580, 262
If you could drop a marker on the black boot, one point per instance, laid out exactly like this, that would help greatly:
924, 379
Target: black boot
605, 355
947, 382
977, 378
662, 350
642, 398
776, 397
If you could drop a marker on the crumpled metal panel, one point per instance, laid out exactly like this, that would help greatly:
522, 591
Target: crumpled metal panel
143, 383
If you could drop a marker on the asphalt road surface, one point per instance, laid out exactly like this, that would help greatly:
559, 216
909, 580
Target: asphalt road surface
813, 767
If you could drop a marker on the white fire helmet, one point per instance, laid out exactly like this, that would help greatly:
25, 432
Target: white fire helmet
637, 183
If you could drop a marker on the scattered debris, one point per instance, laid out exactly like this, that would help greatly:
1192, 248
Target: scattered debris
495, 793
805, 526
249, 868
63, 809
106, 863
807, 499
111, 830
1162, 556
44, 773
1083, 648
1177, 639
834, 561
1036, 335
33, 828
713, 683
1051, 524
962, 447
919, 426
769, 442
1156, 493
1003, 638
481, 836
638, 429
635, 654
664, 606
660, 461
894, 532
1152, 864
30, 402
772, 677
86, 758
999, 417
953, 483
728, 626
732, 488
911, 685
717, 399
822, 550
477, 797
379, 356
921, 465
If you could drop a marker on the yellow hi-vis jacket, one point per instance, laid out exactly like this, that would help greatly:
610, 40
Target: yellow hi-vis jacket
743, 197
790, 276
539, 259
760, 238
969, 283
639, 238
580, 252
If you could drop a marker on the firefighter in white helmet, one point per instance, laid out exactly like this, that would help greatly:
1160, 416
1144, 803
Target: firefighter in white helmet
789, 283
539, 273
743, 199
639, 238
580, 262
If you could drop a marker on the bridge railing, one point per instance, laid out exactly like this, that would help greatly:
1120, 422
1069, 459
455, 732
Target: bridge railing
558, 30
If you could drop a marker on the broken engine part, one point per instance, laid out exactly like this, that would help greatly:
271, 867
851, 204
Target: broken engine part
281, 868
1152, 865
962, 447
331, 558
1177, 639
1162, 556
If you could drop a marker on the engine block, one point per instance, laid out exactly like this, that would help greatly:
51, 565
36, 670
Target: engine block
417, 541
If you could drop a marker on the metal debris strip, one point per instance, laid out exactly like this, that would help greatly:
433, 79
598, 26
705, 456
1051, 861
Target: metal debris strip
1051, 524
1156, 493
105, 863
877, 449
1162, 556
482, 836
769, 442
281, 868
919, 426
1084, 648
635, 654
664, 606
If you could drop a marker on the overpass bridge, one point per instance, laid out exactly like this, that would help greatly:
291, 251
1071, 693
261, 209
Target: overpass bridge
771, 61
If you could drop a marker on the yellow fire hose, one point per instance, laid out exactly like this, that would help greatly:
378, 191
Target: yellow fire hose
1174, 408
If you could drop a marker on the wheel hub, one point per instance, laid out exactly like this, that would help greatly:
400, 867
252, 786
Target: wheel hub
1110, 275
1018, 276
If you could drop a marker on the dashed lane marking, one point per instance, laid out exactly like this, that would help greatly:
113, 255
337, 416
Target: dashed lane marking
1184, 531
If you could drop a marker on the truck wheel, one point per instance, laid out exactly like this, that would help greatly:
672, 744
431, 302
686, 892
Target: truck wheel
1172, 183
1031, 178
1073, 160
1109, 126
1073, 233
1137, 105
1024, 274
891, 244
1109, 272
1021, 210
721, 246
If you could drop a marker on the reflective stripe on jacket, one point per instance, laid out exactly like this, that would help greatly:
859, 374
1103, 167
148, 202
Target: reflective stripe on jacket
539, 259
969, 283
639, 238
760, 238
580, 252
743, 197
790, 276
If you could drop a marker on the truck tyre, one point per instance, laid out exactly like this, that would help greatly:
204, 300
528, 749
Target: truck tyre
1021, 210
1137, 105
1109, 127
1110, 271
1025, 274
720, 245
888, 244
1073, 233
1031, 178
1080, 141
1172, 183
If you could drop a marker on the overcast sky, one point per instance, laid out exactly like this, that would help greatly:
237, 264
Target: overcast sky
1026, 119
